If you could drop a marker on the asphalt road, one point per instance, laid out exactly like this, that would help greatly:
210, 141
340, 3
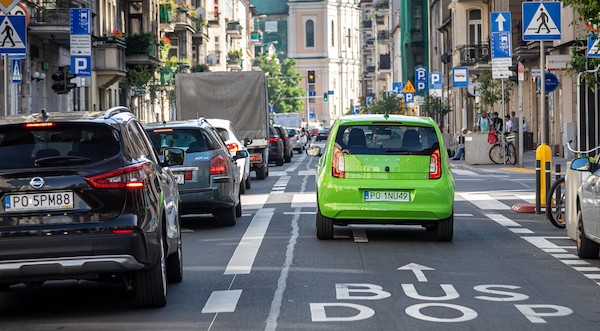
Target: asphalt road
503, 271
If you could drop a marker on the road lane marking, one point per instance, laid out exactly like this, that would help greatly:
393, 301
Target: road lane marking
554, 250
592, 276
502, 220
587, 269
222, 302
565, 256
574, 262
462, 172
311, 172
304, 200
520, 230
254, 201
463, 215
246, 251
300, 212
484, 201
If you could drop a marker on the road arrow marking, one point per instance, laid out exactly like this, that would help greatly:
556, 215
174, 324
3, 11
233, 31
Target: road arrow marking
500, 20
417, 269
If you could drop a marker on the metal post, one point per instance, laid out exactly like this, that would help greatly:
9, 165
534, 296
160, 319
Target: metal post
5, 110
548, 176
503, 139
520, 124
544, 118
578, 132
538, 207
558, 189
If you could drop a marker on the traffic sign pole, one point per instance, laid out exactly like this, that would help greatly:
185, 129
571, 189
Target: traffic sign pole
544, 117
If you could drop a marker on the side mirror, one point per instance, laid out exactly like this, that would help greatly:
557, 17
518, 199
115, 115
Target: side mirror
247, 141
240, 154
581, 164
173, 156
314, 151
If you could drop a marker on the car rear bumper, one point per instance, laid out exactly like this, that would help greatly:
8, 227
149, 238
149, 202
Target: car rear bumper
432, 201
205, 200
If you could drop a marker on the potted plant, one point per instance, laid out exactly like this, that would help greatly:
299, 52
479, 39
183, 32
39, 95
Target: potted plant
141, 43
165, 46
234, 55
168, 10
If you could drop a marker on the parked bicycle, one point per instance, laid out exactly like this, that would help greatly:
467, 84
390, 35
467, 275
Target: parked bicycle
504, 151
555, 199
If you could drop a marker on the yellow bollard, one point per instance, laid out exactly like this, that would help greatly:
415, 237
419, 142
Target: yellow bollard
544, 154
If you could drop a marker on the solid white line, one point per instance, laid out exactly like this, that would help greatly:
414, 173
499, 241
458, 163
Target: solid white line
300, 212
485, 202
543, 242
222, 302
463, 215
502, 220
246, 251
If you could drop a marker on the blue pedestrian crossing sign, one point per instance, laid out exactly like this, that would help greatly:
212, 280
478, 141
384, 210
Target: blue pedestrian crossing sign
593, 46
541, 21
13, 34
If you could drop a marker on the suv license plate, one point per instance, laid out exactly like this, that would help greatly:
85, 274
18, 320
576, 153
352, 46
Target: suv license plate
394, 196
38, 201
179, 178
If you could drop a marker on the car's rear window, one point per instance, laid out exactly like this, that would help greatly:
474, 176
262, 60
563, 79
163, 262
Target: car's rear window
189, 140
384, 139
224, 133
58, 144
292, 132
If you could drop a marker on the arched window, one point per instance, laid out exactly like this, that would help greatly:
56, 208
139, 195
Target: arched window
309, 33
332, 34
474, 27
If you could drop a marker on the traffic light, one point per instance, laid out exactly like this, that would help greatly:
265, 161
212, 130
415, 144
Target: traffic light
325, 97
59, 82
311, 76
515, 77
68, 84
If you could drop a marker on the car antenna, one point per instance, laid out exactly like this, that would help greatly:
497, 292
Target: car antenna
45, 115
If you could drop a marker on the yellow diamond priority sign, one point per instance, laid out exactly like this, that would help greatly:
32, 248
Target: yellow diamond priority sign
7, 5
408, 88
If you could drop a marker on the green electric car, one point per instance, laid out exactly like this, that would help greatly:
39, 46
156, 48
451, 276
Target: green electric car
384, 169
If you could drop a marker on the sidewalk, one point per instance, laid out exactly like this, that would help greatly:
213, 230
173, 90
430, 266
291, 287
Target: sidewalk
528, 165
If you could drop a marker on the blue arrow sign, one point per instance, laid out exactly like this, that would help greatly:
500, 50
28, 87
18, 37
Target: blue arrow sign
500, 21
541, 21
593, 46
13, 34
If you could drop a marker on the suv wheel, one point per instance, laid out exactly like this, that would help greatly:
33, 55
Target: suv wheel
175, 264
586, 248
279, 162
324, 226
243, 186
261, 173
238, 208
248, 183
151, 284
445, 228
287, 158
226, 216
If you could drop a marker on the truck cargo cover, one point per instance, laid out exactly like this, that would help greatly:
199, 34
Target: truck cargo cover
240, 97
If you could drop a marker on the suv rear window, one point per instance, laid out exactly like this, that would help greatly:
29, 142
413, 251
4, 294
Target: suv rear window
57, 144
190, 140
387, 139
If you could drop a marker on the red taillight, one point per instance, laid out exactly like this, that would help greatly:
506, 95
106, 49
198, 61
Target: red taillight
122, 231
233, 147
339, 165
131, 177
218, 165
273, 140
188, 175
435, 165
297, 137
39, 125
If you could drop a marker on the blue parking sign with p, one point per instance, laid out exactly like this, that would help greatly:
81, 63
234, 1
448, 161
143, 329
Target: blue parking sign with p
81, 65
409, 97
435, 80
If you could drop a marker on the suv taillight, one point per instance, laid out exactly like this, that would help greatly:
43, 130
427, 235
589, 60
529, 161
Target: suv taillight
233, 147
435, 165
273, 139
130, 177
218, 165
339, 164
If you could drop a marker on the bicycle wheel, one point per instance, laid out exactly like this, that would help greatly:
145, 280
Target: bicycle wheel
496, 154
511, 154
555, 212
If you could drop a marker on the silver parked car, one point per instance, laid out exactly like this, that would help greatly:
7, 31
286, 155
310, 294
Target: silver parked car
588, 208
297, 139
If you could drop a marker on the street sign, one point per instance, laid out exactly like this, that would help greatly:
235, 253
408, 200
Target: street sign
369, 99
593, 46
409, 97
19, 9
81, 44
435, 84
460, 77
311, 114
541, 21
397, 87
557, 62
551, 82
16, 72
501, 44
330, 92
356, 109
7, 5
312, 93
421, 78
13, 34
500, 21
81, 21
408, 87
500, 67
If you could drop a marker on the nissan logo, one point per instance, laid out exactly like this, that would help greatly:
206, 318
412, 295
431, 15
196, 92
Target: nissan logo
37, 182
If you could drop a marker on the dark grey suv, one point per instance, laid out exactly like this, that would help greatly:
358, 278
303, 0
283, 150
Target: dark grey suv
85, 197
209, 181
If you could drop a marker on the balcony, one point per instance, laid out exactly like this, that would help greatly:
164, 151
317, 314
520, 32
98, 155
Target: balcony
384, 62
234, 64
382, 4
49, 19
167, 13
471, 55
367, 76
367, 24
142, 49
383, 36
380, 20
109, 61
183, 22
213, 18
201, 34
234, 30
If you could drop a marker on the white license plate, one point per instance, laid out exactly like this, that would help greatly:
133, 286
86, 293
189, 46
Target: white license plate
397, 196
179, 178
39, 201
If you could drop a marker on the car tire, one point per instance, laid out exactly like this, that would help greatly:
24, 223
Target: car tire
226, 216
279, 162
243, 186
586, 248
151, 284
175, 264
300, 150
445, 229
324, 226
287, 159
261, 173
238, 208
248, 183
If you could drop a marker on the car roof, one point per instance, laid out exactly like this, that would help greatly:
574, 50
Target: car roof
404, 119
77, 116
194, 123
219, 122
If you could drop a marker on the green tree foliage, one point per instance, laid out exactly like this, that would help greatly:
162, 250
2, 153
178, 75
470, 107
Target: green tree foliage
491, 89
284, 93
387, 104
589, 11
